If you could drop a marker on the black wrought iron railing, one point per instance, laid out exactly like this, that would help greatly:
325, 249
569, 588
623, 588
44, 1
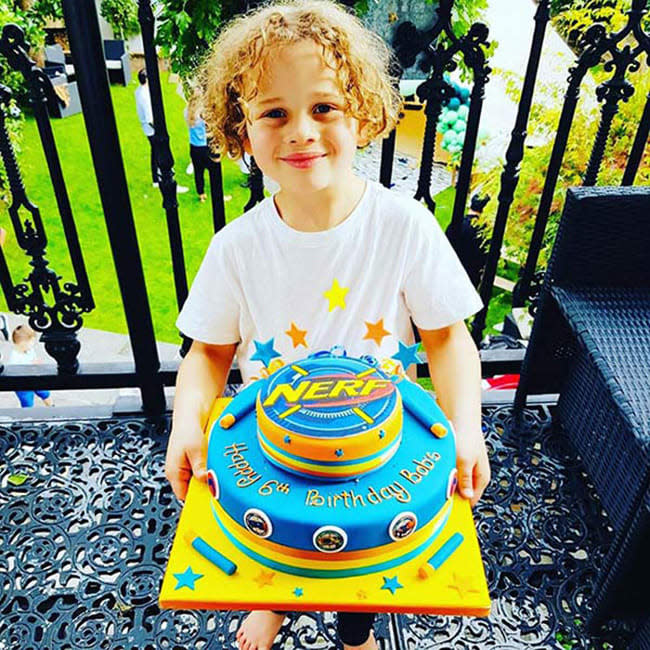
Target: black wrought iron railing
56, 308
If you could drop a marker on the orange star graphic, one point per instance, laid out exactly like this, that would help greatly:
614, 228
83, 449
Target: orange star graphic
264, 578
376, 331
361, 594
297, 335
463, 585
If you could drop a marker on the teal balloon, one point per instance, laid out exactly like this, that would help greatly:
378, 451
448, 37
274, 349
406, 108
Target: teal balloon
463, 112
454, 103
448, 137
459, 127
464, 95
451, 118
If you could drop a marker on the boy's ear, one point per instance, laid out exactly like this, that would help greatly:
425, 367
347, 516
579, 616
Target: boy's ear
362, 136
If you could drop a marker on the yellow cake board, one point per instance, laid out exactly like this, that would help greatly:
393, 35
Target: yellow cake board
457, 587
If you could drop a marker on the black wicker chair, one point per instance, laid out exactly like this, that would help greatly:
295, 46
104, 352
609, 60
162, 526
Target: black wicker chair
590, 343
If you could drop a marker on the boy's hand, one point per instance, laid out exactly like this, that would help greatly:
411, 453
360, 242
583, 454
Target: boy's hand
472, 464
186, 454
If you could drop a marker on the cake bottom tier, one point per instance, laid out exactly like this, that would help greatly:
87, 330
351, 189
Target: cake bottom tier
339, 565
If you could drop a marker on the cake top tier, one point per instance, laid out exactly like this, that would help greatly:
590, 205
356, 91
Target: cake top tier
329, 416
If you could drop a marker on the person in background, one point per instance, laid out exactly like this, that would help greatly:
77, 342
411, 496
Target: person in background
199, 153
23, 338
145, 115
468, 240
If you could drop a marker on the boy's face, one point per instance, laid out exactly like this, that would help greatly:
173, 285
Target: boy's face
297, 112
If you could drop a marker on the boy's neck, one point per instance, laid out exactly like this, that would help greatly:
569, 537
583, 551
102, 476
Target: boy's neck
318, 211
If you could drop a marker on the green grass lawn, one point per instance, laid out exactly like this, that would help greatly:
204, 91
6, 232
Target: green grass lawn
146, 202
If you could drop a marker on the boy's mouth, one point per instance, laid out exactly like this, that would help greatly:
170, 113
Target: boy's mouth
303, 160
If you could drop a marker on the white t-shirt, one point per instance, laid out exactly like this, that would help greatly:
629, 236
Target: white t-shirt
143, 108
283, 294
18, 357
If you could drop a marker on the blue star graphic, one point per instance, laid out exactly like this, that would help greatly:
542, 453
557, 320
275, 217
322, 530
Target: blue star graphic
407, 354
391, 584
187, 578
297, 592
264, 352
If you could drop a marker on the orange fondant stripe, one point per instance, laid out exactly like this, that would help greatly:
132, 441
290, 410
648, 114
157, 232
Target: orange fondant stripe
327, 471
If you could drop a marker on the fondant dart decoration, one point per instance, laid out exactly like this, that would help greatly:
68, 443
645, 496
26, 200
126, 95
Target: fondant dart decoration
331, 486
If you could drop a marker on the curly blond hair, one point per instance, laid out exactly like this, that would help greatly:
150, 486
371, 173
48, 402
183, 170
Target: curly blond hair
228, 77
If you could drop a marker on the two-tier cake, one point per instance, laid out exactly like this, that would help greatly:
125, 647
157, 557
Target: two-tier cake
331, 468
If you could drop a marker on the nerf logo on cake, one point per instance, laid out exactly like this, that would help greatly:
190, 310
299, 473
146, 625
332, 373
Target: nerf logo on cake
331, 390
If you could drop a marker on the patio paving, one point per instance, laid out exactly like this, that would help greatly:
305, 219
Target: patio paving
84, 540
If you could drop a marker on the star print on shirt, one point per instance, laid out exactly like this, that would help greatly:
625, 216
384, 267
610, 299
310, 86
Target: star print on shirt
407, 354
264, 352
336, 295
376, 331
297, 335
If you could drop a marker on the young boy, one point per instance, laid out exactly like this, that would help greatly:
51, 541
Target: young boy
331, 259
23, 338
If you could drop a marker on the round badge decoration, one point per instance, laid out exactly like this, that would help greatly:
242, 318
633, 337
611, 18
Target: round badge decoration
258, 522
452, 483
402, 526
213, 484
330, 539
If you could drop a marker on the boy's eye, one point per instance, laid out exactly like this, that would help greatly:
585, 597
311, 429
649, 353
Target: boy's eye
326, 106
271, 113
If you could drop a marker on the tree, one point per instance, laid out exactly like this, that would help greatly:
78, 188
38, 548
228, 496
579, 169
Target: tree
186, 28
122, 16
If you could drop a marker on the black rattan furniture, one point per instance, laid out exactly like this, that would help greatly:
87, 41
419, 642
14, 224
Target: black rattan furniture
591, 343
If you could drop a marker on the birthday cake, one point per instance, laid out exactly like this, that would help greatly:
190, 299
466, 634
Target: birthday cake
330, 468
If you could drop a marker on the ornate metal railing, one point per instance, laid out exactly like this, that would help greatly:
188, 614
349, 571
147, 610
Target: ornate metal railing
56, 310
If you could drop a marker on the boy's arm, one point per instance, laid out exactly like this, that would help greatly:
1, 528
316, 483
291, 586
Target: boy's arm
201, 378
455, 369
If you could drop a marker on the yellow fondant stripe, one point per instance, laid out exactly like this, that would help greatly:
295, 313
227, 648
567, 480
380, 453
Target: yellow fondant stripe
291, 410
365, 373
299, 370
314, 559
364, 416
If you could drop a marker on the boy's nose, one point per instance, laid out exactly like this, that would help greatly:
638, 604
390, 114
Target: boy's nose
301, 129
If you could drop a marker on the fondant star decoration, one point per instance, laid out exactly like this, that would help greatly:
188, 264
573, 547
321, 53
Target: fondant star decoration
296, 335
463, 585
336, 295
264, 352
264, 578
362, 595
376, 331
391, 584
186, 579
407, 354
297, 592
